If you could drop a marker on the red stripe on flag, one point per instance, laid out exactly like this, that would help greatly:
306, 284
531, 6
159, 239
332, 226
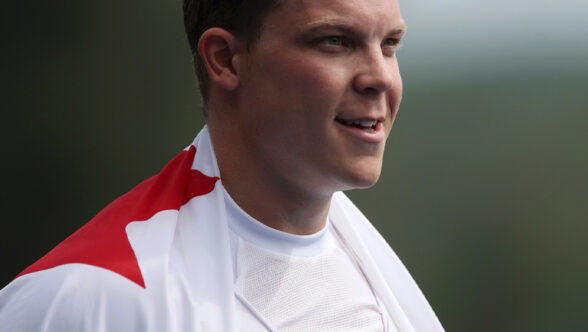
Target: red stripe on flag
103, 241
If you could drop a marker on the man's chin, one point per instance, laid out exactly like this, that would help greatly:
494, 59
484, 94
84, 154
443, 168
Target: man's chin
363, 180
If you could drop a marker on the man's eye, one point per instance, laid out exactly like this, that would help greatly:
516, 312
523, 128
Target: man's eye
390, 42
333, 40
390, 46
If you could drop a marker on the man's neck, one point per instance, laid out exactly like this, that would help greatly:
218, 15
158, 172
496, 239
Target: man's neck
278, 208
275, 200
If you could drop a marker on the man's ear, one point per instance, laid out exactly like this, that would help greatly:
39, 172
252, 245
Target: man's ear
217, 48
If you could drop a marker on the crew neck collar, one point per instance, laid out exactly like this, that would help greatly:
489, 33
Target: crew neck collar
271, 239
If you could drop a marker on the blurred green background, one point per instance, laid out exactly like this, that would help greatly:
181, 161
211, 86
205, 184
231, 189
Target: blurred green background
484, 191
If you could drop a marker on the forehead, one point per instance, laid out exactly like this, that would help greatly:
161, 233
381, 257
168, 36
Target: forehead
366, 14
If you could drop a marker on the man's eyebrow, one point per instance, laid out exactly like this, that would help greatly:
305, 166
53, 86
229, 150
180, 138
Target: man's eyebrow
336, 24
400, 29
326, 24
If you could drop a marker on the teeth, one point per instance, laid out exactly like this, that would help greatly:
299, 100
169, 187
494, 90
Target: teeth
351, 123
368, 124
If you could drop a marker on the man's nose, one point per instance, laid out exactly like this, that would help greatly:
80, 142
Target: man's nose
375, 73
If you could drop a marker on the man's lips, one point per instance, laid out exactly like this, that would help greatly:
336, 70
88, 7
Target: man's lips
365, 124
369, 130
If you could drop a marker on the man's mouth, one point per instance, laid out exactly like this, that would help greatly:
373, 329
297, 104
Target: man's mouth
367, 125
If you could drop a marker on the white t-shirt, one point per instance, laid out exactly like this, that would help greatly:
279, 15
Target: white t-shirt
288, 282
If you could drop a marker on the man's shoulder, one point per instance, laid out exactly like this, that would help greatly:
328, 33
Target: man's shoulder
113, 269
104, 241
70, 297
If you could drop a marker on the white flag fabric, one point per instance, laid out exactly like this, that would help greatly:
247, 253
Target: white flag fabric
158, 259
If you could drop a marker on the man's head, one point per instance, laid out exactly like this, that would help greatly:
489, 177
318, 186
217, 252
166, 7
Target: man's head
243, 18
311, 102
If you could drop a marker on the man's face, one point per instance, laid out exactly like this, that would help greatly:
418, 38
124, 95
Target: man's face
319, 92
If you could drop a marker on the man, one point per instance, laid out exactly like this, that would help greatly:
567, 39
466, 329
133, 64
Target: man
247, 230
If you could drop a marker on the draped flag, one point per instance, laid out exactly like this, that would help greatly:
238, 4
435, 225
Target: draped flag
158, 259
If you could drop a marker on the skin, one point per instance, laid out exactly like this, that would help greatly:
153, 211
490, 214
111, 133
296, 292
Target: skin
276, 107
